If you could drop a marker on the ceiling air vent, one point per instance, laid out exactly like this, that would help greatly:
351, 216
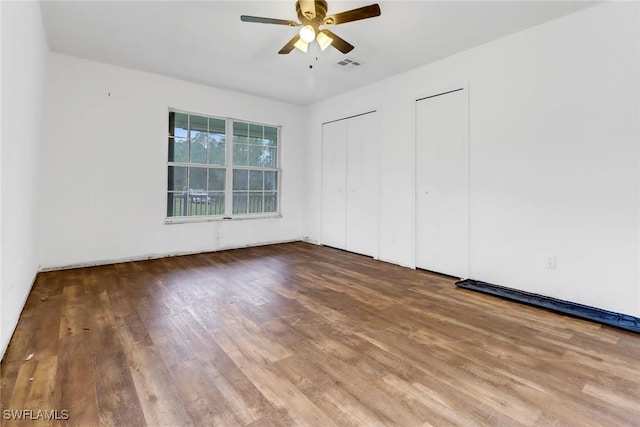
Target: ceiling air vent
349, 63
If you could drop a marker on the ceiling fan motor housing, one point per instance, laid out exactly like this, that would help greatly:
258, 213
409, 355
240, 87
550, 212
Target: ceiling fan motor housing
314, 15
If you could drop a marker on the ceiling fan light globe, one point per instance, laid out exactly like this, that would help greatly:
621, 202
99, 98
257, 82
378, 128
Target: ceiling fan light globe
301, 45
307, 34
324, 40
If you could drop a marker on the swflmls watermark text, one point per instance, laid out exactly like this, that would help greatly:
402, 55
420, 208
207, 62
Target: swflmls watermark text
36, 414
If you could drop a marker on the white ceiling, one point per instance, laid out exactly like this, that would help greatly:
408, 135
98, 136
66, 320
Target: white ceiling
205, 41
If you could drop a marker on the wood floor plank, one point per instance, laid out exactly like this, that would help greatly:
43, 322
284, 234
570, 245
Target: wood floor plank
297, 334
118, 402
160, 400
321, 388
202, 400
277, 390
75, 367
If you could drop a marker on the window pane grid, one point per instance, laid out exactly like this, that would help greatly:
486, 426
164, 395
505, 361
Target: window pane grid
254, 191
201, 147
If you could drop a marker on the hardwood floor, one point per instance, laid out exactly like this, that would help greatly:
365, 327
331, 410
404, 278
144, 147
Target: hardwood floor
297, 334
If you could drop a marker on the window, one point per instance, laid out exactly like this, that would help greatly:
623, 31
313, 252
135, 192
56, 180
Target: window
221, 167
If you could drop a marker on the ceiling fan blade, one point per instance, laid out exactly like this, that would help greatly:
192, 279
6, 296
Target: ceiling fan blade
365, 12
339, 43
308, 8
287, 48
260, 20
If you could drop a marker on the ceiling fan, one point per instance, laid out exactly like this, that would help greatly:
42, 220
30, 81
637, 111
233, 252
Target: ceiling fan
312, 14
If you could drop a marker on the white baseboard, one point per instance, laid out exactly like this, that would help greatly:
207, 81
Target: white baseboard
43, 269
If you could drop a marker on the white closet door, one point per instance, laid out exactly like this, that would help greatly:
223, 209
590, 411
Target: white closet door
442, 184
334, 182
362, 188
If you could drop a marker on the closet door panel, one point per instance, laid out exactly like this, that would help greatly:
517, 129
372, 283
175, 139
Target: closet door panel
442, 184
362, 185
334, 179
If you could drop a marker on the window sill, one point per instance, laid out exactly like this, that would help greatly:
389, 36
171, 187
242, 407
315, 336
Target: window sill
193, 219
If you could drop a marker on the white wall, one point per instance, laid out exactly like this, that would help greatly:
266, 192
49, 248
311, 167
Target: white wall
24, 59
104, 166
554, 141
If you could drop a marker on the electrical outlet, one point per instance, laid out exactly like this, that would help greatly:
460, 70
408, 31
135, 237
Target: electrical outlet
550, 262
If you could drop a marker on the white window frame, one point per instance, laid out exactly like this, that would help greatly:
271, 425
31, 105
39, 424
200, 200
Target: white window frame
229, 167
